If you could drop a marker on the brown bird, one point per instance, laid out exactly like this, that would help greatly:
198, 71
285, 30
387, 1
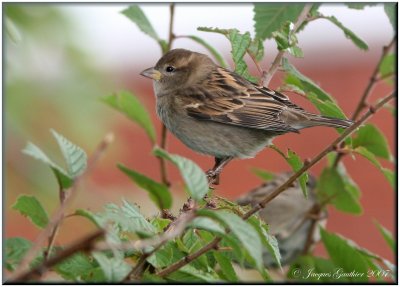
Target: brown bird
217, 112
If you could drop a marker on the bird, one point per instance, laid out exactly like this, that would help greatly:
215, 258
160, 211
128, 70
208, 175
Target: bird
290, 217
217, 112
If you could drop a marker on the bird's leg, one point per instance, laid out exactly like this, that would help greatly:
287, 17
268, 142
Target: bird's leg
213, 174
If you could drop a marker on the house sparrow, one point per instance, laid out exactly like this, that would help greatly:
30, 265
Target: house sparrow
289, 216
217, 112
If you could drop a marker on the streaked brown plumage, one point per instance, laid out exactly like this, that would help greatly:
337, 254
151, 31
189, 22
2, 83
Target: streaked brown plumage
217, 112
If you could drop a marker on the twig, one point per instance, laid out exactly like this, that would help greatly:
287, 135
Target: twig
267, 76
214, 244
163, 143
58, 215
363, 101
86, 244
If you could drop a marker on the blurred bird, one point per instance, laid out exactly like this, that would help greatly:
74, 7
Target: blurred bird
289, 217
217, 112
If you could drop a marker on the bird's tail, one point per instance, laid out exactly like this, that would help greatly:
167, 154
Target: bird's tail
317, 120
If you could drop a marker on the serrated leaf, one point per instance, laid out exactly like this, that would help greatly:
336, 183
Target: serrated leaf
331, 186
348, 33
345, 255
64, 180
387, 65
15, 250
286, 39
243, 230
296, 163
387, 235
371, 138
30, 207
240, 44
192, 174
263, 174
371, 157
211, 49
130, 105
74, 267
269, 241
256, 49
226, 267
136, 15
269, 17
114, 269
74, 156
390, 10
158, 192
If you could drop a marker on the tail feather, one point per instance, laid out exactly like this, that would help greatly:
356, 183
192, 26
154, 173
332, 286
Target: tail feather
318, 120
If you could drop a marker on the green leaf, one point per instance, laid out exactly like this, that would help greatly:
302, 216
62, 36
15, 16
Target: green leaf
130, 105
130, 219
263, 174
226, 266
75, 267
296, 163
345, 255
74, 156
136, 15
95, 219
114, 269
371, 157
205, 223
348, 33
390, 10
256, 49
387, 235
64, 180
192, 174
240, 43
30, 207
304, 83
269, 17
269, 241
327, 108
359, 6
159, 193
286, 39
211, 49
166, 255
15, 250
387, 65
243, 230
371, 138
332, 186
188, 273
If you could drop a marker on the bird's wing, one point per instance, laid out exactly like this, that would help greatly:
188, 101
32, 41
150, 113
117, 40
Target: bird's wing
227, 98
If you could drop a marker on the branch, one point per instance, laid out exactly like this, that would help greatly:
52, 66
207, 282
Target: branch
163, 143
59, 214
214, 244
267, 76
86, 245
363, 101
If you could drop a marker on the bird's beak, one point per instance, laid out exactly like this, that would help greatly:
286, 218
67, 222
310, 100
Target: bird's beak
152, 74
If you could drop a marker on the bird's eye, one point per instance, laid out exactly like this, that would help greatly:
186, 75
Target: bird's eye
169, 69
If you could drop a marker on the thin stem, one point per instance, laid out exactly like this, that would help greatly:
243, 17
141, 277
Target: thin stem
85, 245
58, 215
267, 76
163, 141
214, 244
367, 92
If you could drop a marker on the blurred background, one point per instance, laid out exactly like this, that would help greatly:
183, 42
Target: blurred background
59, 59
